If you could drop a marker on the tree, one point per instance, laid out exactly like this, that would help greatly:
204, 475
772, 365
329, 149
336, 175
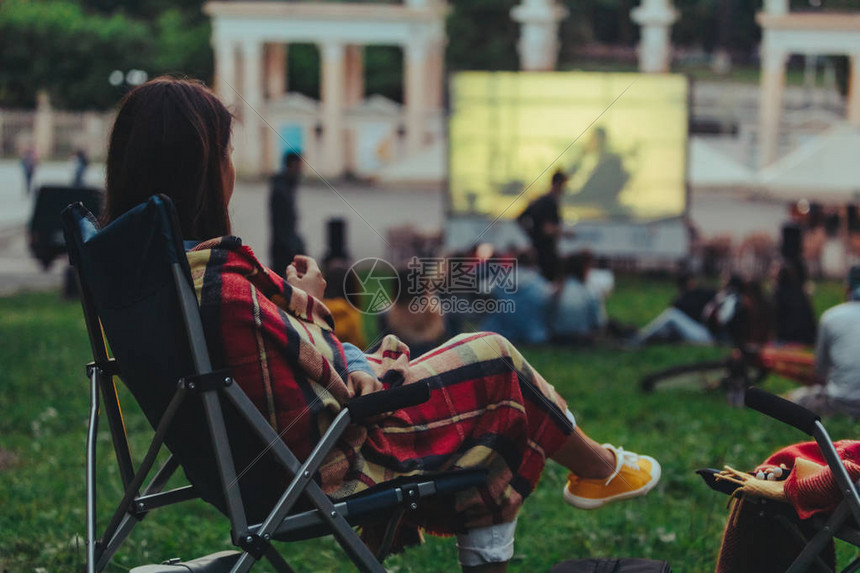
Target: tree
182, 45
58, 46
482, 36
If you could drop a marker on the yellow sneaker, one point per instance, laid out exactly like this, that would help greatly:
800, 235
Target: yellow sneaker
634, 475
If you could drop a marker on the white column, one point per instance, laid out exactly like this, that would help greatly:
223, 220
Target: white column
770, 101
332, 89
414, 94
854, 92
276, 70
354, 70
353, 95
538, 43
252, 94
655, 17
43, 126
95, 134
776, 7
225, 71
436, 75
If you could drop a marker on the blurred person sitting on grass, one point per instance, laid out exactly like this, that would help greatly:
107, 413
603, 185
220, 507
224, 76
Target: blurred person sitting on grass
415, 317
600, 279
578, 315
684, 320
488, 407
526, 322
347, 318
837, 361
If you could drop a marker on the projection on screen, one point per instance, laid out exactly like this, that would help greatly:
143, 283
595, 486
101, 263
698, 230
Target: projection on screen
509, 132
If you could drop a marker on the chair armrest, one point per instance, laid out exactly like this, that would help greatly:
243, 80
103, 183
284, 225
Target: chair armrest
781, 409
388, 400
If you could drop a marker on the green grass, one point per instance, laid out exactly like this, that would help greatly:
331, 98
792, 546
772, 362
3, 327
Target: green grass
43, 411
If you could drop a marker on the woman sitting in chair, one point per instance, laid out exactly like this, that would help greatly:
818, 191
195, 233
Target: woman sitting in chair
488, 408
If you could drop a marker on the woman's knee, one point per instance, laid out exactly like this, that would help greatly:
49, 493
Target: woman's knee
504, 346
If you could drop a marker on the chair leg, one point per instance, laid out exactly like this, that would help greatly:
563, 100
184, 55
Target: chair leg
302, 484
92, 433
388, 536
809, 555
111, 546
277, 560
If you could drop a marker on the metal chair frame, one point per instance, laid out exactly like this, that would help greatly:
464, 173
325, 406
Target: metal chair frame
255, 540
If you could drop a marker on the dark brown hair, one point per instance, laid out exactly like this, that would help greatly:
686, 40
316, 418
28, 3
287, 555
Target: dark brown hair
172, 136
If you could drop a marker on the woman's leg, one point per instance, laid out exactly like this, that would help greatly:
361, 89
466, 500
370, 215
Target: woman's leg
488, 408
585, 457
599, 473
487, 549
673, 321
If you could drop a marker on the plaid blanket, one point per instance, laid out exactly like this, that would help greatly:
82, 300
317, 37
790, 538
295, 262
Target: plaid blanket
488, 407
811, 487
764, 537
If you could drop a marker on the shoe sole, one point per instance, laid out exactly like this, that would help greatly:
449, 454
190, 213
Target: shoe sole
589, 503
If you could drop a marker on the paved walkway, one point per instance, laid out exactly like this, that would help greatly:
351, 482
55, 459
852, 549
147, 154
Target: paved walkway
369, 212
18, 270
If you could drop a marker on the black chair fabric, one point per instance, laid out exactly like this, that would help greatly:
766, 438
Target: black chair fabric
126, 268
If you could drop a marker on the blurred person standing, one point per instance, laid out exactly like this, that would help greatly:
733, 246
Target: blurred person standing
541, 221
793, 316
81, 162
29, 162
286, 242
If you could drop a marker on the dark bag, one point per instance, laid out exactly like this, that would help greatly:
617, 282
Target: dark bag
766, 537
221, 562
611, 566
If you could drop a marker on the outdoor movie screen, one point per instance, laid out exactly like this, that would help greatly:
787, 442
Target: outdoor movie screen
620, 139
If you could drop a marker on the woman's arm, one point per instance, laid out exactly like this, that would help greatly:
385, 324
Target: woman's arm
304, 273
361, 379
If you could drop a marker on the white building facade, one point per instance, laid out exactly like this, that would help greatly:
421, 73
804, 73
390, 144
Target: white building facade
250, 41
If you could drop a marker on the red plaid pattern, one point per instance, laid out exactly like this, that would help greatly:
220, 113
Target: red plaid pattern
488, 407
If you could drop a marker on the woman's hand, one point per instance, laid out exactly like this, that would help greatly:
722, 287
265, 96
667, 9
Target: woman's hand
361, 383
305, 274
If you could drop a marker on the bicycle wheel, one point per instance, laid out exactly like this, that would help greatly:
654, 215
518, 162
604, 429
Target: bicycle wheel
698, 376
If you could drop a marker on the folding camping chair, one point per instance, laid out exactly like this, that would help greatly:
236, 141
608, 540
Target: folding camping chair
136, 288
843, 522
